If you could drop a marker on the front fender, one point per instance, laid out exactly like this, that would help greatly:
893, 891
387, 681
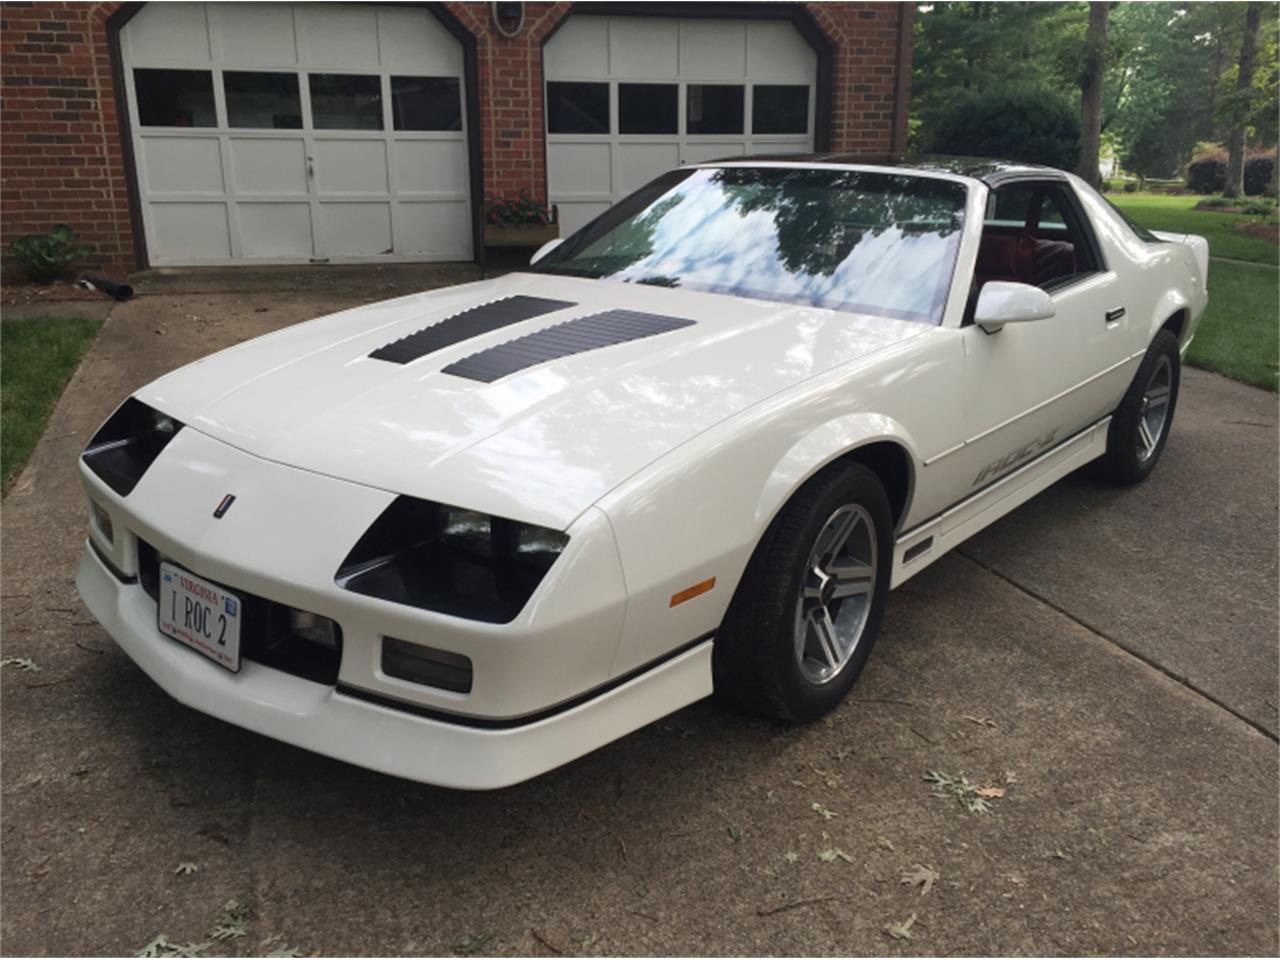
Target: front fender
827, 443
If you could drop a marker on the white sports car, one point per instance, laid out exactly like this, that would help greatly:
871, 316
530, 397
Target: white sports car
468, 535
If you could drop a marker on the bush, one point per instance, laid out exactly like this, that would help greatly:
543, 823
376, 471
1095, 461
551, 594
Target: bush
1207, 175
1216, 202
1257, 174
1131, 186
1258, 208
1031, 126
45, 257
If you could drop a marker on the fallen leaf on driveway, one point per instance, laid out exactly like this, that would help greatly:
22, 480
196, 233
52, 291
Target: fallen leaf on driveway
22, 663
835, 853
920, 876
823, 811
186, 868
990, 793
901, 931
946, 785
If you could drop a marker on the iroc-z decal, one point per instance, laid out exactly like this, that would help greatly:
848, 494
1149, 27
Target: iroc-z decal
1014, 457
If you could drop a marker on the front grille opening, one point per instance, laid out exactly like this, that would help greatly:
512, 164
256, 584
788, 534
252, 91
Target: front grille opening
272, 634
426, 665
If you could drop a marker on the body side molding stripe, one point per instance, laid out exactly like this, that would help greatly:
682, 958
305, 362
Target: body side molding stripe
474, 322
562, 340
1026, 413
999, 481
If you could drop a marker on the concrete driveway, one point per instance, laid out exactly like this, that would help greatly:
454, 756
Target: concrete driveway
1108, 656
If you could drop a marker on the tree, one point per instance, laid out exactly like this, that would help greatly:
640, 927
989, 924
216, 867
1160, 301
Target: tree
1092, 72
1243, 101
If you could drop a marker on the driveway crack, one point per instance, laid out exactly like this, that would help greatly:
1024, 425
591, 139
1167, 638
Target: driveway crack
1136, 654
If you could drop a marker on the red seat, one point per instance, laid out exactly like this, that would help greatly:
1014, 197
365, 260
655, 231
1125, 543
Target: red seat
1005, 257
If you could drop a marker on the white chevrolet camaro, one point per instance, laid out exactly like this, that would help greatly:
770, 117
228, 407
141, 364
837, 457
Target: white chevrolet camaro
468, 535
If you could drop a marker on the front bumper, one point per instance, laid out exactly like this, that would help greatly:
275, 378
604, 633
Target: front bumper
321, 718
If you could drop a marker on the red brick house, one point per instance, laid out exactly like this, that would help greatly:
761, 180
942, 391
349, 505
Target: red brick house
232, 133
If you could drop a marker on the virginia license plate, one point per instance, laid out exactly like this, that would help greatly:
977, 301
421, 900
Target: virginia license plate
200, 614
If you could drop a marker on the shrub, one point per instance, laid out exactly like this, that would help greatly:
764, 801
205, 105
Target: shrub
1257, 174
1215, 202
1131, 186
1032, 126
45, 257
1258, 208
1208, 175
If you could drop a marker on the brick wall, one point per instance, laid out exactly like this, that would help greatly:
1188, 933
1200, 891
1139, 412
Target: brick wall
511, 121
60, 149
59, 140
864, 118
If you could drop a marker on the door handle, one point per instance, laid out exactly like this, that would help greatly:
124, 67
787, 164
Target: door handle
1115, 315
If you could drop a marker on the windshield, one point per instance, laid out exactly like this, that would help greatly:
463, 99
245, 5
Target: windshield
848, 240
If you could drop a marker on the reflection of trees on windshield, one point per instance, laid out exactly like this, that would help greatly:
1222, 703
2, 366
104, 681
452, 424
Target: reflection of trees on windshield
847, 239
817, 226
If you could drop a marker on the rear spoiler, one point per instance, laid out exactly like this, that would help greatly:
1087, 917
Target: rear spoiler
1199, 247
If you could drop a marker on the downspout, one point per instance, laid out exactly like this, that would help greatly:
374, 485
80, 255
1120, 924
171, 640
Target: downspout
902, 87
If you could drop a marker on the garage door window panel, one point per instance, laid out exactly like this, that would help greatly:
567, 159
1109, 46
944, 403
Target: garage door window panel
175, 98
714, 108
264, 101
648, 108
426, 103
345, 101
780, 109
577, 107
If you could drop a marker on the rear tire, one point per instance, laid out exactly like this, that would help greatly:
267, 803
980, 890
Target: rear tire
1140, 426
805, 616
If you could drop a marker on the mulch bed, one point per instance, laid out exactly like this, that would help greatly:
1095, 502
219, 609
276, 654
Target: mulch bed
1261, 230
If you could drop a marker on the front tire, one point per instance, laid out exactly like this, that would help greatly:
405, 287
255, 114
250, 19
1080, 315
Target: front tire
805, 616
1140, 426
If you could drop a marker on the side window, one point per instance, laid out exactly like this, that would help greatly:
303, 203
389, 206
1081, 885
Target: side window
1009, 205
1051, 214
1035, 232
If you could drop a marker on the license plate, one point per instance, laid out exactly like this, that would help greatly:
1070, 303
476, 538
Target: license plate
200, 614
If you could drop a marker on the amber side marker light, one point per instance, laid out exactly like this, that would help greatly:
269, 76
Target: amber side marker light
697, 590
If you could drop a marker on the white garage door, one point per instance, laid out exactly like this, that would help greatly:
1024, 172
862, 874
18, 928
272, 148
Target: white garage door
630, 97
291, 133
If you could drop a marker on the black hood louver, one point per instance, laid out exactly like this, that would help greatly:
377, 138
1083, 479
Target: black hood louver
562, 340
469, 323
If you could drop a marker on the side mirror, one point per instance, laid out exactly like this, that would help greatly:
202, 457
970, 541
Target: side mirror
543, 250
1001, 302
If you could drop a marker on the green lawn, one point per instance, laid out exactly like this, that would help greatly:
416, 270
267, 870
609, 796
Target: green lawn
1175, 214
1239, 335
37, 357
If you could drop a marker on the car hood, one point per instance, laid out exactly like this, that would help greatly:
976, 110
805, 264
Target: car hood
541, 444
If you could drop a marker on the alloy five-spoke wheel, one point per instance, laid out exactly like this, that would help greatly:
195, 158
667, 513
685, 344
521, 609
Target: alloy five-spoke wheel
1141, 423
805, 615
1154, 411
836, 594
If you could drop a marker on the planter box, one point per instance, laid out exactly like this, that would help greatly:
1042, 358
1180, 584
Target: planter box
519, 234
